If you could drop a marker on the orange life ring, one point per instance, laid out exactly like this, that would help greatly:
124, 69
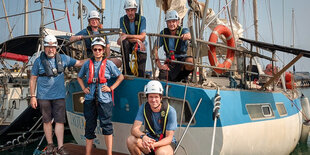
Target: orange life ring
221, 30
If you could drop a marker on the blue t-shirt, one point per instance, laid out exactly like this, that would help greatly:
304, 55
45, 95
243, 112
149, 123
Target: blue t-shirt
132, 29
171, 45
171, 124
51, 88
88, 40
111, 71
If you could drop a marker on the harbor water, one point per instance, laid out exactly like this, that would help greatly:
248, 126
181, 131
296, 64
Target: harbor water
29, 149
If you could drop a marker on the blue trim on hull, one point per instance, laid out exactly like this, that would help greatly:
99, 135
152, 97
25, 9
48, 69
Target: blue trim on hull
233, 102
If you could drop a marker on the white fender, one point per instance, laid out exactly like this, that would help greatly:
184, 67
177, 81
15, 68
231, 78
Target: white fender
306, 125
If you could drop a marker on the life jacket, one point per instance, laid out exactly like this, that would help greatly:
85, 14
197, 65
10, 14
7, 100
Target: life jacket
91, 73
177, 46
47, 65
147, 113
137, 23
90, 32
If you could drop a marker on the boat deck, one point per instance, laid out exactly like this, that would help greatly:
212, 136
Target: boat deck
80, 150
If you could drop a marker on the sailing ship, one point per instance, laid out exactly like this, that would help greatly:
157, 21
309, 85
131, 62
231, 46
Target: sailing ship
234, 110
221, 110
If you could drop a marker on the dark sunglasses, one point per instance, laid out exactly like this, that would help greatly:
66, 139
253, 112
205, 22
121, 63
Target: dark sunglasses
97, 49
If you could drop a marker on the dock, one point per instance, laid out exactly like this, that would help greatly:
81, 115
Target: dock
80, 150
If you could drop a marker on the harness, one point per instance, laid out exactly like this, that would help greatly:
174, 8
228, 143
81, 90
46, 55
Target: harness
90, 32
137, 23
177, 46
147, 113
101, 78
49, 70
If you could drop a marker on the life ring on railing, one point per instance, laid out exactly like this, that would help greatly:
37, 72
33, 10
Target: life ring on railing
221, 30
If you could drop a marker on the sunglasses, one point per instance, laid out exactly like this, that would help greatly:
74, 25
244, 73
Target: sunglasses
97, 49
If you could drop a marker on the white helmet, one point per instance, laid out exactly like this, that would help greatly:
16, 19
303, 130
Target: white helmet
153, 87
93, 14
98, 41
172, 15
130, 4
50, 40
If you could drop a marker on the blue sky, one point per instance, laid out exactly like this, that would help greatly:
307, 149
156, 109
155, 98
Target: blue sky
114, 10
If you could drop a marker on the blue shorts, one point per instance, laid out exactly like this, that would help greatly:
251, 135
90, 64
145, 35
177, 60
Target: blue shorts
91, 113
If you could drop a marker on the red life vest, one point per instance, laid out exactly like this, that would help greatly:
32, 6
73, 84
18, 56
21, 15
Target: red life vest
91, 75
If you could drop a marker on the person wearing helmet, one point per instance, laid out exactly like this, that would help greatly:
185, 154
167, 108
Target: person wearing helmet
175, 49
47, 80
133, 35
98, 95
93, 28
161, 122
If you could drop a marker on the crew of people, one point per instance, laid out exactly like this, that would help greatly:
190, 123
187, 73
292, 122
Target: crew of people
47, 83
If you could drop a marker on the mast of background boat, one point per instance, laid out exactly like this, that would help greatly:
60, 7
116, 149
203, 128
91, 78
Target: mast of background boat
7, 19
259, 67
81, 14
26, 18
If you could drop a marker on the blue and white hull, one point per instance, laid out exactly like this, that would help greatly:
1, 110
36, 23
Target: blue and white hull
250, 122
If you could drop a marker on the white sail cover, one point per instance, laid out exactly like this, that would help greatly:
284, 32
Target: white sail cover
177, 5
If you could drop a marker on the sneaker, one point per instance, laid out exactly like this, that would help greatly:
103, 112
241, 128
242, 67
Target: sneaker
50, 148
62, 151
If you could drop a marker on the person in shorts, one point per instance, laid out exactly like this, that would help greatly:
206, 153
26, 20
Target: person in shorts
47, 79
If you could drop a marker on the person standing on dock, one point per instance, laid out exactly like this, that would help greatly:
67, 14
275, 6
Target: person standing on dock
132, 39
161, 122
47, 79
98, 95
93, 28
175, 49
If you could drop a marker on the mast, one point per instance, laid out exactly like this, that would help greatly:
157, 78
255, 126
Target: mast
293, 27
81, 14
26, 18
102, 10
141, 7
7, 19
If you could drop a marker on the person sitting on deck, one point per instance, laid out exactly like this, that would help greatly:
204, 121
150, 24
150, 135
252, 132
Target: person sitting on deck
132, 39
93, 28
161, 122
175, 49
98, 95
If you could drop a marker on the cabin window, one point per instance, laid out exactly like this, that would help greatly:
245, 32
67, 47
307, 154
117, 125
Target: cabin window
176, 103
281, 109
260, 111
78, 100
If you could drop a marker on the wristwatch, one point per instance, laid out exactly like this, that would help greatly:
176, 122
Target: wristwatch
142, 136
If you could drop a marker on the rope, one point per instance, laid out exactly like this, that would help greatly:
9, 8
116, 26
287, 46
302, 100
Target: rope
133, 64
216, 115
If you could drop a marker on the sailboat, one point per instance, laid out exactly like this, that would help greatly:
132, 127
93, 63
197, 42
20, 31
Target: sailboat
229, 112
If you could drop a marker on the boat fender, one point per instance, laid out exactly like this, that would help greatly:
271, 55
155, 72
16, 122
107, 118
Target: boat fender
305, 108
14, 142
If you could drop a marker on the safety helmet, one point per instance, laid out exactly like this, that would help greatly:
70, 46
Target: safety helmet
98, 41
93, 14
153, 87
50, 40
130, 4
172, 15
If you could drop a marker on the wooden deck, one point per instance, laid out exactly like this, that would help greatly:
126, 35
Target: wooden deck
75, 149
